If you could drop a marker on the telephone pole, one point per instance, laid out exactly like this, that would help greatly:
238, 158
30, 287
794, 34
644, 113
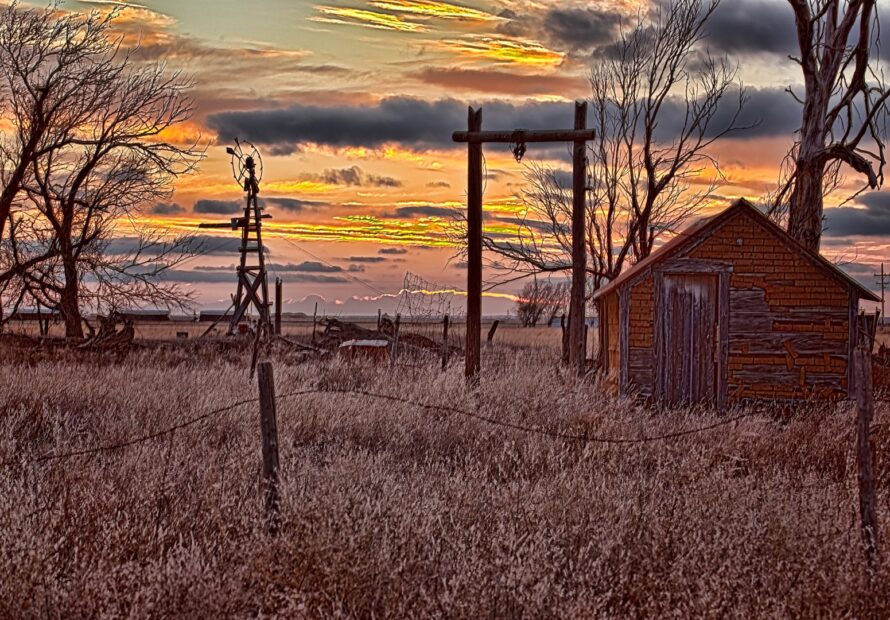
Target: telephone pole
882, 280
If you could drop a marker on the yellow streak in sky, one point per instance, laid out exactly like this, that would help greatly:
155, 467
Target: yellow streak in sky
432, 8
504, 49
309, 187
368, 19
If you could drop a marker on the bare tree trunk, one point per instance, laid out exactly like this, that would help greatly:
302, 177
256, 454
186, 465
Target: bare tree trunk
805, 208
69, 304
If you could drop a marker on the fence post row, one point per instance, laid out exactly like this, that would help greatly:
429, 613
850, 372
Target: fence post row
269, 432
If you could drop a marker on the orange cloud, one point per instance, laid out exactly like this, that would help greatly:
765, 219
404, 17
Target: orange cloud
432, 8
365, 18
505, 50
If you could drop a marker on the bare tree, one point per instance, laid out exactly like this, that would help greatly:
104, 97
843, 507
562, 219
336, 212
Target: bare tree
645, 167
845, 105
52, 71
541, 300
87, 153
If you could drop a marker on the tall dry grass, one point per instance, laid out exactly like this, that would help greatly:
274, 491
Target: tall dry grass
391, 511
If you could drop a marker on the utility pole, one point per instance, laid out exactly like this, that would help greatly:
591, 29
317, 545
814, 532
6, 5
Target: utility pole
474, 137
882, 280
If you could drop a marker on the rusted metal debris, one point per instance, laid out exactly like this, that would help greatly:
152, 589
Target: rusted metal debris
337, 332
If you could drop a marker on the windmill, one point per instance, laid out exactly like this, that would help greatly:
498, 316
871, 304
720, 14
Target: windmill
253, 285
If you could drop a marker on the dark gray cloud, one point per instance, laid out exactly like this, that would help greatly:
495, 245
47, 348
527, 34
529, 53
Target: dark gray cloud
392, 251
367, 259
439, 184
205, 245
166, 208
356, 269
411, 122
878, 201
577, 28
214, 277
873, 220
420, 124
422, 211
310, 266
294, 205
752, 27
767, 112
354, 177
304, 267
219, 207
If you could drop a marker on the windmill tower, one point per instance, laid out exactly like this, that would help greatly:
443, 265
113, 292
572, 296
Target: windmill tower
253, 284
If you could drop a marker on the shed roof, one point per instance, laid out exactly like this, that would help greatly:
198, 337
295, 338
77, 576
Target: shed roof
706, 225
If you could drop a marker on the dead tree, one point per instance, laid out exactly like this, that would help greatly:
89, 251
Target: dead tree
97, 156
540, 301
52, 71
639, 173
845, 105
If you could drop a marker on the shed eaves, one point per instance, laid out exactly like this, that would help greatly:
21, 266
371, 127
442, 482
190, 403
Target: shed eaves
705, 225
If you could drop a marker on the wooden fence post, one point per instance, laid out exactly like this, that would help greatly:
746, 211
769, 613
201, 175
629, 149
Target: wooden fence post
278, 297
472, 353
494, 328
577, 343
395, 341
314, 321
269, 430
864, 452
445, 343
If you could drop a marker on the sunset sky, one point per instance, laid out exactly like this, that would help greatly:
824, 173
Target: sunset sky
352, 104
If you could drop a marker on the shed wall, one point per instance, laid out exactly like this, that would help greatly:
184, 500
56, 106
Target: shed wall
612, 335
641, 337
788, 320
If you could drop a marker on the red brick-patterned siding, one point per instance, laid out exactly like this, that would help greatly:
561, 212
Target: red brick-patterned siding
788, 328
610, 305
641, 336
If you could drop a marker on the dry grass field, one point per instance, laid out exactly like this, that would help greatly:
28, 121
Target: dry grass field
391, 510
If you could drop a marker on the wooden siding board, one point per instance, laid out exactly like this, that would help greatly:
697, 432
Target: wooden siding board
641, 370
623, 340
852, 311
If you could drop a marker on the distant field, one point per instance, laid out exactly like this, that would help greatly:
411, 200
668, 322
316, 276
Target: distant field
391, 510
507, 332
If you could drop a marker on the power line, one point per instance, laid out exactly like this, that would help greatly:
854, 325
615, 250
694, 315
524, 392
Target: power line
339, 268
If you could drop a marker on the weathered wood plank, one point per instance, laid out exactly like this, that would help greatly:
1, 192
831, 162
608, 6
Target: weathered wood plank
475, 136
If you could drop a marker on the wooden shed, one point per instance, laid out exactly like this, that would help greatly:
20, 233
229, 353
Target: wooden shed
732, 308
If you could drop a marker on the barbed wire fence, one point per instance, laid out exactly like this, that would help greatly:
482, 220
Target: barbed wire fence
447, 409
267, 401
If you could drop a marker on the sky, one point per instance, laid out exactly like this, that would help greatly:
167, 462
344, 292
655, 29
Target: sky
352, 104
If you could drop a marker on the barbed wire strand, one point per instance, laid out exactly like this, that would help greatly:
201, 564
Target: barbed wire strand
583, 438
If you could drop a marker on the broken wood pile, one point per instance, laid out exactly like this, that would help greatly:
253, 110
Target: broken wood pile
109, 338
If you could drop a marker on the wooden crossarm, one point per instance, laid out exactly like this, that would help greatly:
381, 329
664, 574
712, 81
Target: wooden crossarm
522, 135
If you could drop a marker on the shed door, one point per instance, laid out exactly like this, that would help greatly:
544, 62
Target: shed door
689, 332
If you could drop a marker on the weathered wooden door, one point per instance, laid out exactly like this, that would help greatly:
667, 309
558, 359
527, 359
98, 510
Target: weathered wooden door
688, 372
